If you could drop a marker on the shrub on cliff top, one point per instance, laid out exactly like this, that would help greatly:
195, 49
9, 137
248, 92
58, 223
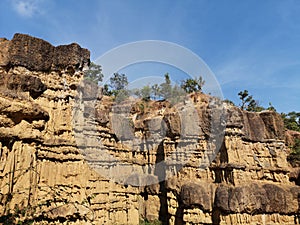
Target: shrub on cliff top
291, 120
94, 73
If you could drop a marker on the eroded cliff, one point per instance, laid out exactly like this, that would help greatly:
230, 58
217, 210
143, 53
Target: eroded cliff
72, 156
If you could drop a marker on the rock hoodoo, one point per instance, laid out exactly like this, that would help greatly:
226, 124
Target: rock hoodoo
46, 179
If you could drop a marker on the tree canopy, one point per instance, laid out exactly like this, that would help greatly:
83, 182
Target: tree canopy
291, 120
117, 83
94, 73
192, 85
248, 103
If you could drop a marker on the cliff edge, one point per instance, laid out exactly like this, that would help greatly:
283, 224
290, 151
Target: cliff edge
46, 176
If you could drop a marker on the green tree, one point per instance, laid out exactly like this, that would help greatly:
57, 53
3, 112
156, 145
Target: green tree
248, 103
292, 120
166, 87
294, 157
117, 83
144, 93
155, 90
94, 73
106, 90
192, 85
254, 106
245, 98
271, 107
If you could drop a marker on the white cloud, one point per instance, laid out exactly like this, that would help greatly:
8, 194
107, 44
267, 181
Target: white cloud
27, 8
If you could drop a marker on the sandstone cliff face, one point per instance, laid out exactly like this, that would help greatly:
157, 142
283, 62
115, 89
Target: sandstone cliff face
163, 157
43, 175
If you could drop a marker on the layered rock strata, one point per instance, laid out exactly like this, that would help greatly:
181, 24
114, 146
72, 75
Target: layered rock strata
43, 176
72, 156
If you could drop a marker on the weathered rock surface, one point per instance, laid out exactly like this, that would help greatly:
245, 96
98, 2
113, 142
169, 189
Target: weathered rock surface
257, 198
39, 55
42, 172
201, 163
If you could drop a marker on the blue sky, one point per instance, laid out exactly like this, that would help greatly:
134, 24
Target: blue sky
253, 45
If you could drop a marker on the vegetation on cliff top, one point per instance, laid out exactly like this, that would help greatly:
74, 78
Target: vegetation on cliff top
118, 88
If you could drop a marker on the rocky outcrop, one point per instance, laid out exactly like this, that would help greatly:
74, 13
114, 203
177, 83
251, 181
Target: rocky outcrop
291, 136
256, 198
69, 155
43, 176
39, 55
247, 183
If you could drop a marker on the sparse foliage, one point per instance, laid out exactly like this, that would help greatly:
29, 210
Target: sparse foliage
94, 73
145, 93
117, 83
248, 103
192, 85
294, 157
106, 90
155, 91
174, 93
271, 107
166, 87
292, 120
245, 98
